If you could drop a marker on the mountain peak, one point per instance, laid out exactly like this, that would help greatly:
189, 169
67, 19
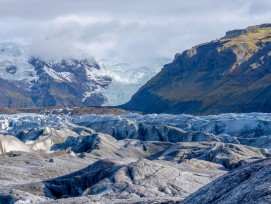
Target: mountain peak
251, 29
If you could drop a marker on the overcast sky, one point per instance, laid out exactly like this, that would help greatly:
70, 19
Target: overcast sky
138, 29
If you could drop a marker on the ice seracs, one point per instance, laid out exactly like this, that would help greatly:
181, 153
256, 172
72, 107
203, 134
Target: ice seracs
127, 77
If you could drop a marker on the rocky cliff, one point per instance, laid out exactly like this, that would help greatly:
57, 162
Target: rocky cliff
231, 74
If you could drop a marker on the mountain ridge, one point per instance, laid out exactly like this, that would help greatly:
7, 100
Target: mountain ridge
231, 74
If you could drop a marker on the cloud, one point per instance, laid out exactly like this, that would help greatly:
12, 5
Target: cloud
137, 29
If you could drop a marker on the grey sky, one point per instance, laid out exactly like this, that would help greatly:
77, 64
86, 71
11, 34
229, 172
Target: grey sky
138, 29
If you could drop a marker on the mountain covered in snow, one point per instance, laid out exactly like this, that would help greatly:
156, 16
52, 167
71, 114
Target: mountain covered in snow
29, 81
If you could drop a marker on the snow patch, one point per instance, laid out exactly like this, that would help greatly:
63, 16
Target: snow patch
59, 76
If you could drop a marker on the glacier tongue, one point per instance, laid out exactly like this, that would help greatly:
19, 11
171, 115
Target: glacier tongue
127, 77
127, 158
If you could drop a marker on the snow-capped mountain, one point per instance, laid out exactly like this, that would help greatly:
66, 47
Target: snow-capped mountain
77, 82
28, 81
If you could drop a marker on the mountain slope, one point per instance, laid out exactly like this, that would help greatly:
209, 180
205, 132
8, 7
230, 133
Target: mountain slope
231, 74
67, 82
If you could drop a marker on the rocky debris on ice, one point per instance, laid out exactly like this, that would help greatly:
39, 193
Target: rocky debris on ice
123, 179
247, 184
228, 155
128, 158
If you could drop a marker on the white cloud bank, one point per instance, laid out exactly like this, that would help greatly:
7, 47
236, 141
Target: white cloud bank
136, 29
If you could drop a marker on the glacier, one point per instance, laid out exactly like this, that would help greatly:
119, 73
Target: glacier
241, 129
127, 77
126, 158
247, 125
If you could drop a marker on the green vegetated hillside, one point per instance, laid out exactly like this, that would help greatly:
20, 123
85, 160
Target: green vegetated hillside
232, 74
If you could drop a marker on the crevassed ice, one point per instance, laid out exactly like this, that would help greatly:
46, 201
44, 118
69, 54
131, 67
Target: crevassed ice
127, 76
233, 124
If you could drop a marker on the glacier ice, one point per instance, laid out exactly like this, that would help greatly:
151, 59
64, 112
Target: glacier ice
125, 158
128, 76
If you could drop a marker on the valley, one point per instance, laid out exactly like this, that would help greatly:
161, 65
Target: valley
85, 130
